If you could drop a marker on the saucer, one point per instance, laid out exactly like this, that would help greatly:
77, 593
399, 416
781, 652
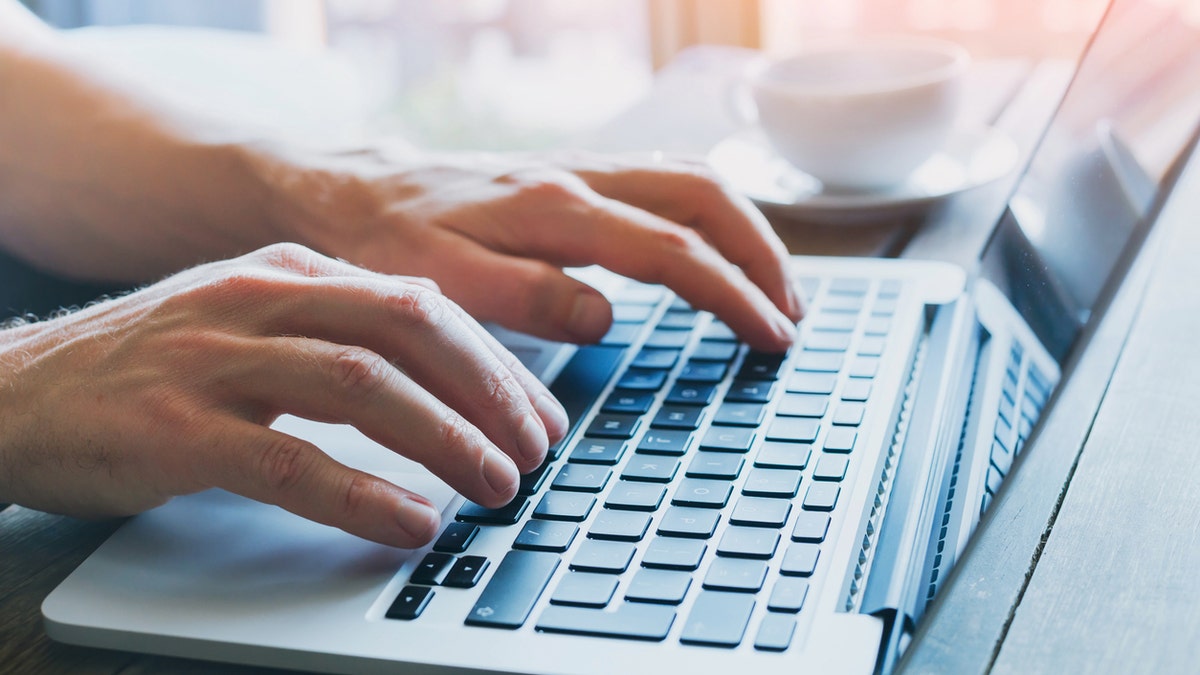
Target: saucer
971, 158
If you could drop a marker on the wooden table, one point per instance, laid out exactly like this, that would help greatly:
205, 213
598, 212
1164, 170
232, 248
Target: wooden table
1086, 562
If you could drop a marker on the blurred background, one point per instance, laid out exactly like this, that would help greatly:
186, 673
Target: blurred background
527, 74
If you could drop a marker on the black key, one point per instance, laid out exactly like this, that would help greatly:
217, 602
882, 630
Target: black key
800, 560
656, 359
628, 402
734, 574
611, 557
650, 468
510, 513
822, 496
584, 589
783, 455
581, 478
712, 350
674, 554
750, 391
788, 595
718, 619
803, 405
467, 572
683, 521
532, 482
619, 525
775, 633
660, 586
772, 483
856, 390
849, 414
1006, 410
761, 366
456, 538
571, 506
691, 393
668, 339
635, 621
810, 527
702, 493
613, 426
819, 362
728, 439
642, 380
748, 542
740, 414
514, 589
840, 439
621, 335
409, 604
721, 465
607, 451
635, 496
706, 372
583, 378
761, 512
665, 442
831, 467
802, 382
994, 479
432, 569
678, 417
793, 429
678, 320
546, 535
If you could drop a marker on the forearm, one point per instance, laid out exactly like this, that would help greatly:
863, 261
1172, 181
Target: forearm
100, 180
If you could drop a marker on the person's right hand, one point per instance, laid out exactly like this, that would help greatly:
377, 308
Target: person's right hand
167, 391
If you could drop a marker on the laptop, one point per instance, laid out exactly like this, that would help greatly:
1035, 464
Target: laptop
714, 509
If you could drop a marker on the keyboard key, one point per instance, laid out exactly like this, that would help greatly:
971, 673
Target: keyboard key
668, 339
761, 366
735, 574
409, 604
705, 372
890, 288
800, 560
822, 496
878, 326
532, 482
728, 439
849, 286
783, 455
621, 335
884, 307
660, 586
571, 506
810, 527
721, 465
803, 405
584, 589
831, 467
546, 535
828, 342
849, 414
467, 572
678, 417
871, 346
793, 429
740, 414
510, 513
772, 483
775, 632
864, 366
748, 542
832, 322
650, 468
619, 525
690, 393
634, 293
610, 557
788, 594
581, 478
840, 439
627, 313
717, 330
856, 390
683, 521
456, 538
628, 402
819, 362
712, 350
584, 377
514, 589
665, 442
432, 569
801, 382
679, 320
656, 359
718, 619
849, 304
760, 512
606, 451
635, 621
635, 496
674, 554
702, 493
613, 426
642, 380
750, 391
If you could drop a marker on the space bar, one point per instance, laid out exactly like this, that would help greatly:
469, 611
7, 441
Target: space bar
633, 621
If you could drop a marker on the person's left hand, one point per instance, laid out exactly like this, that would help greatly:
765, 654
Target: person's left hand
495, 231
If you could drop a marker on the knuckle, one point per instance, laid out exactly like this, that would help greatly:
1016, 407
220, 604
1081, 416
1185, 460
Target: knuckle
498, 390
358, 373
679, 240
286, 255
455, 434
418, 305
284, 462
356, 493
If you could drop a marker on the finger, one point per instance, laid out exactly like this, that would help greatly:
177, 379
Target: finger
351, 385
275, 468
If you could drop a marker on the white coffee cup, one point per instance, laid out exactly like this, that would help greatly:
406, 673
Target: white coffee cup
860, 114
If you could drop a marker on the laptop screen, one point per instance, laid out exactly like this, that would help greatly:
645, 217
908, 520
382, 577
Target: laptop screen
1127, 120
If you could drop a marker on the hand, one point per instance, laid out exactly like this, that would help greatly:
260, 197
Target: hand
494, 232
167, 391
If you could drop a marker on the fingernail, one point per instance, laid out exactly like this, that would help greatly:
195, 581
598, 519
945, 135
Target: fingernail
532, 440
418, 518
500, 472
589, 318
555, 417
785, 328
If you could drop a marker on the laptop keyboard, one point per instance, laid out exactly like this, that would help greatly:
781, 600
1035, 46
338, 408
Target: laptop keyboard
1022, 398
700, 491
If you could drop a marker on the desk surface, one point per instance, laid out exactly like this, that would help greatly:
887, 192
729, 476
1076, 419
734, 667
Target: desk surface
1085, 563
